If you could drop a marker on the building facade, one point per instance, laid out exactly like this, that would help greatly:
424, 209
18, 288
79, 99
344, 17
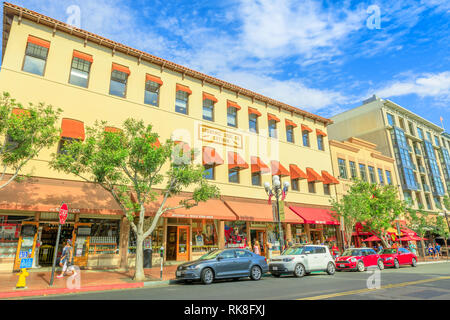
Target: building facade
242, 138
415, 143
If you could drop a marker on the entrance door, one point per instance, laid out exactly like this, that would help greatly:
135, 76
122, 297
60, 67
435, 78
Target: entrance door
80, 241
183, 244
27, 243
261, 235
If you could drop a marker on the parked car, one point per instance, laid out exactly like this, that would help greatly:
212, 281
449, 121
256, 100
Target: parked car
393, 257
358, 259
302, 259
221, 264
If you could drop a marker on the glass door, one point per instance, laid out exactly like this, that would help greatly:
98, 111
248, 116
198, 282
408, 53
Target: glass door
182, 243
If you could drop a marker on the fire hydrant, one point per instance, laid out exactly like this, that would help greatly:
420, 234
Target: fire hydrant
21, 283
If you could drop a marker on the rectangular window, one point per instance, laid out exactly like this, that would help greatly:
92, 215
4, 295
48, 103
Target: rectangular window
290, 134
380, 177
256, 178
311, 187
232, 117
420, 133
427, 199
353, 169
342, 168
208, 110
411, 128
388, 177
391, 119
436, 141
362, 172
326, 189
181, 102
305, 137
272, 128
294, 184
253, 123
151, 93
320, 142
233, 176
429, 136
35, 59
79, 73
372, 175
62, 143
437, 202
118, 85
209, 172
402, 123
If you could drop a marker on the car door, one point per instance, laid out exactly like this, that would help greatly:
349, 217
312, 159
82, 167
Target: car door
243, 262
322, 258
309, 258
316, 258
373, 257
403, 256
226, 265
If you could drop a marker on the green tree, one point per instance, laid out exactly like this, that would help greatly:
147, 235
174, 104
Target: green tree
418, 221
128, 164
377, 206
26, 133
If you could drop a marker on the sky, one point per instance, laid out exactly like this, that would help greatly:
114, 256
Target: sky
324, 57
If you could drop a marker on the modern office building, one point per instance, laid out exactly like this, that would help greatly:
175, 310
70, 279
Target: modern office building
243, 139
415, 143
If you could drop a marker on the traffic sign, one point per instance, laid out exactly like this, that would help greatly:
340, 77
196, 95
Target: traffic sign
26, 263
63, 212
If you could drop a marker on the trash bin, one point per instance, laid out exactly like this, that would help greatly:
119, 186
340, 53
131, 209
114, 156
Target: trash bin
147, 258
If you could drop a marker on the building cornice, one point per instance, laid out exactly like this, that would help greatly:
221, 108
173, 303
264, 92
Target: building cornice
382, 157
342, 145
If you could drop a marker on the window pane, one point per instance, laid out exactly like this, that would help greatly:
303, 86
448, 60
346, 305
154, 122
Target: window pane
256, 178
320, 142
289, 134
305, 137
117, 88
272, 129
311, 187
233, 176
34, 65
181, 102
231, 117
209, 173
326, 189
79, 78
294, 184
151, 93
253, 123
342, 168
208, 108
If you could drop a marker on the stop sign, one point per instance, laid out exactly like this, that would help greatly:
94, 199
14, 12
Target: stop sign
63, 212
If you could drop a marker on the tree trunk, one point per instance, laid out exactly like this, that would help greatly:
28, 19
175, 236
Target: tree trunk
423, 246
139, 274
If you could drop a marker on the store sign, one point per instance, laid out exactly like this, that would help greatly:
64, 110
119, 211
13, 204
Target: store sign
219, 136
26, 263
257, 225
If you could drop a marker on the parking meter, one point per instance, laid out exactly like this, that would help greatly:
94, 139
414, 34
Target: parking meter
161, 254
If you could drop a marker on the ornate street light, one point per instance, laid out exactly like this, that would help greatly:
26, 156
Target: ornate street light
277, 191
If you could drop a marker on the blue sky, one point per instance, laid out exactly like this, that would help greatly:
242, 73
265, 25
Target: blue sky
321, 56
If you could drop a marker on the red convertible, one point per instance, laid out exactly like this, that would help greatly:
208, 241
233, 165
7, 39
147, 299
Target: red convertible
396, 257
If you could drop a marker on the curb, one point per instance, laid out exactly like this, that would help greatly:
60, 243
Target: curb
432, 262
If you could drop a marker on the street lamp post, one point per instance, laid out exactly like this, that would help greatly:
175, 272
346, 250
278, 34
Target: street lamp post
277, 191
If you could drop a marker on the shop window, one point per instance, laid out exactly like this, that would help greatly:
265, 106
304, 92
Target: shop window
155, 241
151, 96
10, 227
305, 138
295, 184
209, 172
204, 236
181, 102
233, 175
256, 178
79, 73
272, 128
232, 117
311, 187
236, 234
290, 134
35, 59
104, 236
253, 123
118, 85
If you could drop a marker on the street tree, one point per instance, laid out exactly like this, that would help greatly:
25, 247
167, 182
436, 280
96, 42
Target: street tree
128, 163
26, 132
418, 221
377, 206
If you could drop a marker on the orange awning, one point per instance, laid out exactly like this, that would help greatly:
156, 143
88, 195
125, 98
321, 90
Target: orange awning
290, 123
19, 111
207, 96
254, 111
272, 117
313, 176
157, 143
180, 87
296, 172
39, 42
315, 215
258, 165
112, 129
120, 68
83, 56
211, 157
233, 105
149, 77
320, 133
235, 161
306, 128
72, 129
328, 178
278, 169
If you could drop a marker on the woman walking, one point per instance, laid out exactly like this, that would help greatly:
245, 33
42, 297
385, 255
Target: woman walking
66, 258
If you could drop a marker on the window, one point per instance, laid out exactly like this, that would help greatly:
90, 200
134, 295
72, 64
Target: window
35, 58
253, 122
294, 184
437, 202
256, 178
290, 134
408, 198
118, 84
429, 136
305, 136
402, 123
311, 187
342, 168
372, 174
228, 254
353, 169
209, 172
151, 96
233, 175
62, 143
380, 176
232, 117
326, 189
391, 119
427, 199
272, 128
181, 102
436, 141
388, 177
208, 109
79, 73
362, 172
411, 128
320, 142
420, 133
243, 254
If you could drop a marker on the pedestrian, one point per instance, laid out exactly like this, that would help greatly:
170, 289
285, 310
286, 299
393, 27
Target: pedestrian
66, 258
413, 247
437, 249
335, 250
363, 245
257, 248
380, 247
431, 251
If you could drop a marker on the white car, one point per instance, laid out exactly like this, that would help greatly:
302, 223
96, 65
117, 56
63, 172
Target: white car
302, 259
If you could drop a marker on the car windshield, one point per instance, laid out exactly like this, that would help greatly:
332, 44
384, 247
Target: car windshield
210, 255
351, 252
388, 251
294, 250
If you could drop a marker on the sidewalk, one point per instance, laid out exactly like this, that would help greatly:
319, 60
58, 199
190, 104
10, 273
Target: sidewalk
91, 280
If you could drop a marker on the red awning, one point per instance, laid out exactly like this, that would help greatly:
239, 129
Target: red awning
306, 128
235, 161
83, 56
272, 117
278, 169
296, 172
120, 68
313, 176
207, 96
290, 123
315, 215
320, 133
372, 238
231, 104
211, 157
258, 165
328, 178
407, 232
149, 77
254, 111
71, 128
180, 87
39, 42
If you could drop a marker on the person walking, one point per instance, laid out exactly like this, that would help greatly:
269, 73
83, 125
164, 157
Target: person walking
412, 247
257, 248
66, 258
431, 251
437, 250
335, 250
380, 248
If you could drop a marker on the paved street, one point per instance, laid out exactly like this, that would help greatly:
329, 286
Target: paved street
431, 281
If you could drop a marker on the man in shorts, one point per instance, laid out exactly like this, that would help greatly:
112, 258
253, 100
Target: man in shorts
66, 258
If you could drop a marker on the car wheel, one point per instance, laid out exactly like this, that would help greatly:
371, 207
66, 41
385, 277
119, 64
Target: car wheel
207, 276
331, 269
299, 270
276, 275
380, 264
255, 273
360, 266
396, 264
414, 262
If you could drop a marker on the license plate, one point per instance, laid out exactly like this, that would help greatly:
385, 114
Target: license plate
274, 268
342, 265
178, 273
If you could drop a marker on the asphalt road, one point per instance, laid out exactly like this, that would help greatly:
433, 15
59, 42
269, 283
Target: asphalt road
430, 281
